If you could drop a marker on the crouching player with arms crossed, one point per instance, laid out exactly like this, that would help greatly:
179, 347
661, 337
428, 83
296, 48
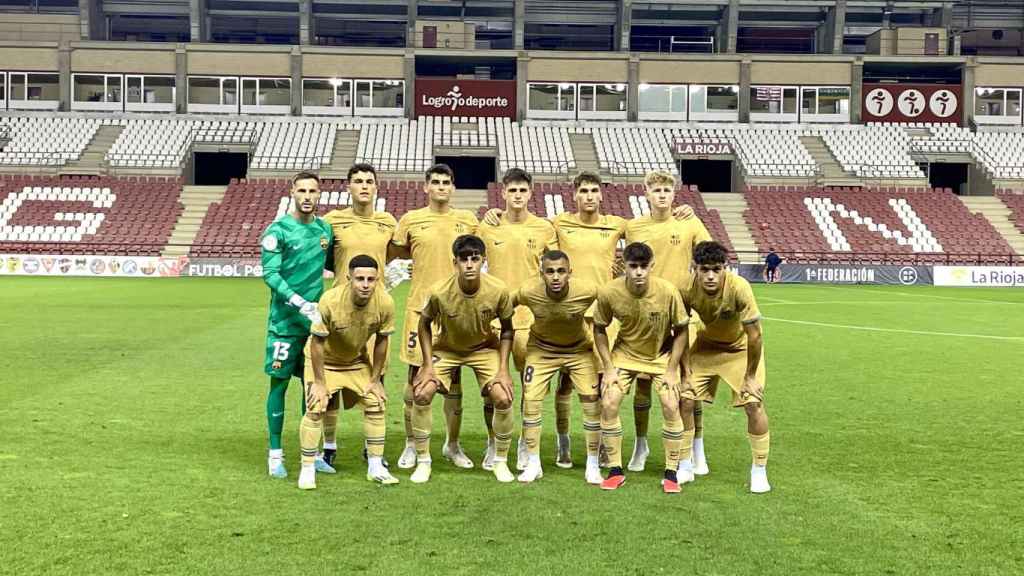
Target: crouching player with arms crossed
728, 347
352, 314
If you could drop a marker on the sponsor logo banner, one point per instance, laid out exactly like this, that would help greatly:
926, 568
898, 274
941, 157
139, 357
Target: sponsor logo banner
448, 97
911, 103
95, 265
998, 276
684, 147
842, 274
223, 268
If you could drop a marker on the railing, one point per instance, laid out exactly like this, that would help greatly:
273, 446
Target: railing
287, 162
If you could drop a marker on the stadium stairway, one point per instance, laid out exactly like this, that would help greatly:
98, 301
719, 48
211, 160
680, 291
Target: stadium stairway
585, 152
92, 158
346, 143
470, 199
730, 208
998, 214
832, 172
197, 200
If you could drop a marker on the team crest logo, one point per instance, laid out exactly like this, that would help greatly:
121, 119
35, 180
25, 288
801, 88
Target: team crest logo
726, 314
675, 240
531, 244
323, 243
98, 266
655, 316
130, 267
276, 365
460, 228
12, 264
80, 264
115, 266
30, 265
48, 264
605, 233
64, 265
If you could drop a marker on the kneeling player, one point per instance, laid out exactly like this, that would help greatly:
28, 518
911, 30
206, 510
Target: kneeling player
728, 347
559, 341
463, 307
651, 344
352, 313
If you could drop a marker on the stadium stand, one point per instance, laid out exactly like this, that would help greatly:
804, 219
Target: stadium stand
902, 225
88, 215
46, 140
1014, 200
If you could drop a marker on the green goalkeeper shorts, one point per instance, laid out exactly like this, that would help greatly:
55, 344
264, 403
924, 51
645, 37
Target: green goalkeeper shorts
284, 357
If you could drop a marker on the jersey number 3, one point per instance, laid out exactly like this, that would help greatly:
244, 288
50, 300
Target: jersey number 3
281, 350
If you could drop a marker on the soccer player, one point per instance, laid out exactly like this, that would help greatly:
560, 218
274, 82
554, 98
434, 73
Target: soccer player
351, 314
293, 252
728, 347
651, 344
559, 341
672, 241
464, 306
514, 248
426, 236
358, 229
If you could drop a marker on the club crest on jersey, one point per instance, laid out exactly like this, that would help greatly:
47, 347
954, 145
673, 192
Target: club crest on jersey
605, 233
460, 228
323, 243
655, 316
726, 314
675, 240
276, 365
531, 244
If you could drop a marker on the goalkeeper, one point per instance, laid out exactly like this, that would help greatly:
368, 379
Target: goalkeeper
293, 250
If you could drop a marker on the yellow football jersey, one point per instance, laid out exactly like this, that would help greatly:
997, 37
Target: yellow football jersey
591, 247
355, 235
646, 323
724, 314
558, 325
672, 242
429, 236
513, 254
350, 327
464, 320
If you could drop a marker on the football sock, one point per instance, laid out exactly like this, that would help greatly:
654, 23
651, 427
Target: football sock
330, 425
698, 447
672, 439
422, 421
503, 425
453, 416
309, 438
686, 450
563, 407
759, 448
532, 425
276, 453
698, 419
407, 412
642, 410
489, 417
611, 435
275, 410
592, 426
373, 430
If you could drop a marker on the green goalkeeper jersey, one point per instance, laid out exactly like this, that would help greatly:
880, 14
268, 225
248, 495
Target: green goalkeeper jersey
293, 256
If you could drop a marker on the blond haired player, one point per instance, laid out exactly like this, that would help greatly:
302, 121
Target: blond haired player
672, 241
514, 248
651, 344
358, 229
351, 313
559, 341
728, 347
426, 236
464, 306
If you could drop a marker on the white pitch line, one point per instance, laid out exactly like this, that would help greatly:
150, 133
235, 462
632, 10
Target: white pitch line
855, 302
898, 330
779, 300
911, 294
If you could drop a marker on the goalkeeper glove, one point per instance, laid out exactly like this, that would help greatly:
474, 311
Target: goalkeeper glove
307, 309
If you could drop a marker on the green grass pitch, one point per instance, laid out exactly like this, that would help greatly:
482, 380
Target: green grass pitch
132, 441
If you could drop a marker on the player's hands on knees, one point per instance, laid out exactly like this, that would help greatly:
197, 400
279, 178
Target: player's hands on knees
752, 388
493, 216
673, 382
376, 388
424, 376
683, 212
610, 380
316, 397
504, 383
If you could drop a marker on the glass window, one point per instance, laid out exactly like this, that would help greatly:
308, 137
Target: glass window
698, 100
275, 92
202, 90
158, 90
133, 89
765, 99
678, 98
586, 98
3, 87
543, 96
809, 101
610, 97
250, 87
113, 90
990, 101
654, 98
229, 91
722, 98
567, 97
343, 93
43, 87
317, 93
789, 100
1013, 103
88, 88
833, 100
388, 94
363, 99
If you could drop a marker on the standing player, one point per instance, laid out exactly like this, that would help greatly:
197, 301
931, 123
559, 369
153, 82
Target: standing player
426, 236
358, 229
464, 306
672, 241
651, 344
351, 314
514, 248
293, 251
728, 347
559, 341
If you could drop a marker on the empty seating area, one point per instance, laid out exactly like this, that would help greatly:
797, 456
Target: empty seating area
46, 140
1014, 200
294, 145
88, 215
1002, 153
872, 151
813, 224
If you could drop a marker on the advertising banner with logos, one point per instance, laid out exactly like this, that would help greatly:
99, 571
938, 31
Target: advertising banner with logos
101, 266
912, 103
843, 274
684, 147
991, 276
450, 97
